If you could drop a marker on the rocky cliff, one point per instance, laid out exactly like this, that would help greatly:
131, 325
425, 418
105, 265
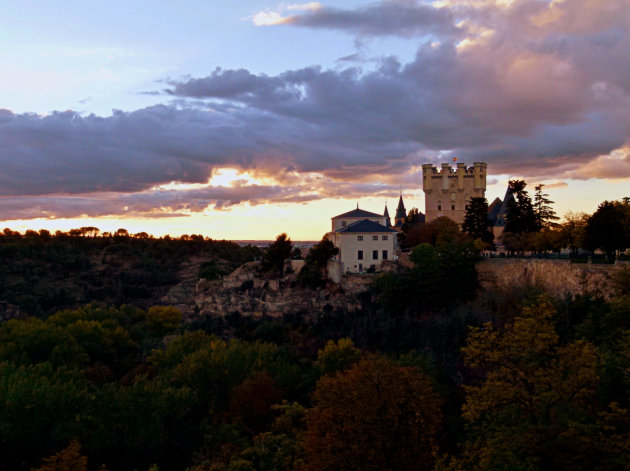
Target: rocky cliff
558, 277
249, 293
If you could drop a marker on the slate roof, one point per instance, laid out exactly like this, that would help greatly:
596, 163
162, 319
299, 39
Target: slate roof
493, 210
366, 225
500, 221
358, 213
388, 222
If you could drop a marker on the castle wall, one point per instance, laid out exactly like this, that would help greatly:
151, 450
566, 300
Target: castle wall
447, 191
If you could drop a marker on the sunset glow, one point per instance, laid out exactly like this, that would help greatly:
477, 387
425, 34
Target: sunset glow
245, 120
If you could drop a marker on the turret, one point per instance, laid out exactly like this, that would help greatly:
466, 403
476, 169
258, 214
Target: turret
448, 191
388, 222
401, 213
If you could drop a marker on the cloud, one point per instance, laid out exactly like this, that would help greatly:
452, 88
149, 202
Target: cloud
615, 165
534, 88
162, 203
397, 18
556, 185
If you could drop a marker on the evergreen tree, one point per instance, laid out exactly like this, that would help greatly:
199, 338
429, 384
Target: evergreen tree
520, 216
607, 229
476, 220
542, 209
277, 253
412, 221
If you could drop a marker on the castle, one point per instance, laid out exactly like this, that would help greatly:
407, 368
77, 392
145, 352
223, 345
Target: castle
448, 191
366, 239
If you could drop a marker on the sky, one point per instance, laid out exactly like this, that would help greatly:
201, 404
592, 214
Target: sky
242, 120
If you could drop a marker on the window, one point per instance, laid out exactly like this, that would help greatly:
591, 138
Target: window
384, 237
384, 254
375, 237
453, 207
374, 254
359, 237
343, 223
360, 255
439, 207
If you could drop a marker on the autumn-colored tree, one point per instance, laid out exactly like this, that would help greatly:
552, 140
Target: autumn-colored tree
337, 356
68, 459
374, 416
251, 401
537, 407
440, 231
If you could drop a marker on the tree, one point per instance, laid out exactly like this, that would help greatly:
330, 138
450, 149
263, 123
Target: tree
572, 231
412, 220
476, 223
337, 356
440, 231
520, 216
374, 416
606, 229
316, 263
545, 215
536, 406
276, 254
68, 459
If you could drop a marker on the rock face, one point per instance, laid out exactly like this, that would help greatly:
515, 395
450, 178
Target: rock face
249, 293
558, 277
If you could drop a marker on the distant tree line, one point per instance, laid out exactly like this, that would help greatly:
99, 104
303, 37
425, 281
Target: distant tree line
42, 272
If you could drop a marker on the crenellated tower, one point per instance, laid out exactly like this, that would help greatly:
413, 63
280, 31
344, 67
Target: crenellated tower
447, 191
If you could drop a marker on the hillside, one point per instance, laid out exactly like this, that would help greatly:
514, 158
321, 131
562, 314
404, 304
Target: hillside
41, 273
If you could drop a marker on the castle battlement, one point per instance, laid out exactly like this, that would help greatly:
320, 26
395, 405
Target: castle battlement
447, 190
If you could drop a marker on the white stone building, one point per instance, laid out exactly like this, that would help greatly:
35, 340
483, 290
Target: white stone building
363, 240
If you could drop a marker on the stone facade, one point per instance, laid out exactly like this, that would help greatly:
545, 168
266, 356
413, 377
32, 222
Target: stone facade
359, 251
447, 191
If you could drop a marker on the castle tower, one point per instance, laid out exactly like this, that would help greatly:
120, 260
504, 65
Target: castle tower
401, 213
447, 191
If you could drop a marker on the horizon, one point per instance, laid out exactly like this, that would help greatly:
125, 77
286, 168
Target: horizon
242, 121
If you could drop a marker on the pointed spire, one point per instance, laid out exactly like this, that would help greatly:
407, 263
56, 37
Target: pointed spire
357, 205
401, 213
388, 222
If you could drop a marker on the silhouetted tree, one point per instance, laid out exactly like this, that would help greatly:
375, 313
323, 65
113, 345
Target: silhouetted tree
276, 254
476, 223
607, 228
520, 216
545, 215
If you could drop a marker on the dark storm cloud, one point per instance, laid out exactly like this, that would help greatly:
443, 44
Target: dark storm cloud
393, 18
173, 203
537, 89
